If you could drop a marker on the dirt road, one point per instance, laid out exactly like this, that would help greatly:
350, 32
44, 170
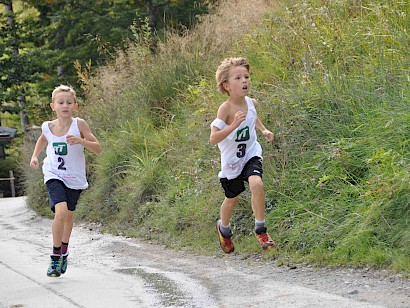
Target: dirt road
109, 271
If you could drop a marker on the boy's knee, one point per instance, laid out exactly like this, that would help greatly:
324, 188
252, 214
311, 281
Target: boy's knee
60, 217
255, 184
231, 202
61, 211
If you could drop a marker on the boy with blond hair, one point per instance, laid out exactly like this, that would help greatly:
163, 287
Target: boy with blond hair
234, 132
64, 169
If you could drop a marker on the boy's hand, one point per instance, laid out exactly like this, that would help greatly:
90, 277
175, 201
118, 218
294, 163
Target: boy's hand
34, 163
71, 139
239, 118
268, 135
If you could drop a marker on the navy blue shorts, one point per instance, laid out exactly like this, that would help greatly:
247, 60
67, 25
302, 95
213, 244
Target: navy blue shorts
236, 186
58, 193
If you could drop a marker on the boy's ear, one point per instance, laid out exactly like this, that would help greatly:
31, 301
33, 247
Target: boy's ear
226, 86
52, 106
75, 106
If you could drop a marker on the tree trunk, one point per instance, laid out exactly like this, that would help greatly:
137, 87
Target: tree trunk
2, 153
10, 24
152, 23
23, 115
61, 72
152, 12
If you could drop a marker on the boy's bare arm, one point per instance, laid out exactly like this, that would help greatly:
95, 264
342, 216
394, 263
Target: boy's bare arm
88, 140
217, 135
40, 145
259, 125
265, 132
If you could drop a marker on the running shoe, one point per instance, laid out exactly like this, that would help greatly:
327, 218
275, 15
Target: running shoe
225, 242
54, 269
264, 239
64, 262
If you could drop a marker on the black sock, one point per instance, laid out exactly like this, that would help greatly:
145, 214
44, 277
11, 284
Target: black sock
56, 250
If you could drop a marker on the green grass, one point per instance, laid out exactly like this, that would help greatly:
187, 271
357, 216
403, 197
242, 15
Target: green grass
332, 79
343, 130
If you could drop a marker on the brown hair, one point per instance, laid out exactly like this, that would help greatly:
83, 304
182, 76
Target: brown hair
222, 73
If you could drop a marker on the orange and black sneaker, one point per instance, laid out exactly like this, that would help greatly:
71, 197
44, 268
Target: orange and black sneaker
264, 239
225, 242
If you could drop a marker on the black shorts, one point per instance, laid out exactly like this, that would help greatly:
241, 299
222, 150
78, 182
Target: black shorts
58, 193
236, 186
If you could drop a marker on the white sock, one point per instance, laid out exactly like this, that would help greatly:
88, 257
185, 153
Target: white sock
259, 224
225, 230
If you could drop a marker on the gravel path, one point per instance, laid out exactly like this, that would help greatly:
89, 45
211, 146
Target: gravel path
142, 274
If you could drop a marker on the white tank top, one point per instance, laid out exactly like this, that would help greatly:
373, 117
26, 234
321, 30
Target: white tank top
65, 162
240, 145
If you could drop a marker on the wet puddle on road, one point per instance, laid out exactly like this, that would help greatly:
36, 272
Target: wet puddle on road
170, 295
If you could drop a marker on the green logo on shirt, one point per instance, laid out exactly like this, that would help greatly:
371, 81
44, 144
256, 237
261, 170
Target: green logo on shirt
242, 134
60, 148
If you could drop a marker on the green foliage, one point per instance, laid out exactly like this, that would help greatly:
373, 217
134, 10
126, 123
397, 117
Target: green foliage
32, 180
17, 67
48, 41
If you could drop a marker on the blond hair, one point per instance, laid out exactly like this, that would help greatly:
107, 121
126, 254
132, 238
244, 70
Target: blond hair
222, 73
63, 88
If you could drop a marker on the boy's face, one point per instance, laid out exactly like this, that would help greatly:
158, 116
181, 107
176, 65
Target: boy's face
238, 82
64, 104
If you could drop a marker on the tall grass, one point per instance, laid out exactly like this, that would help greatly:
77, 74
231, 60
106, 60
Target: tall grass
332, 79
339, 90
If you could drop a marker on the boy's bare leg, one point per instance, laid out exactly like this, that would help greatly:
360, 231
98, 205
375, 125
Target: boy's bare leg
257, 197
60, 217
68, 227
226, 209
258, 207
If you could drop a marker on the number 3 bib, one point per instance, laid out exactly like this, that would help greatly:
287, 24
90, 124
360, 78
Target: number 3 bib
240, 145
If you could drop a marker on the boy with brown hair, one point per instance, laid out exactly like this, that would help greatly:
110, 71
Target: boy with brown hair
241, 154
